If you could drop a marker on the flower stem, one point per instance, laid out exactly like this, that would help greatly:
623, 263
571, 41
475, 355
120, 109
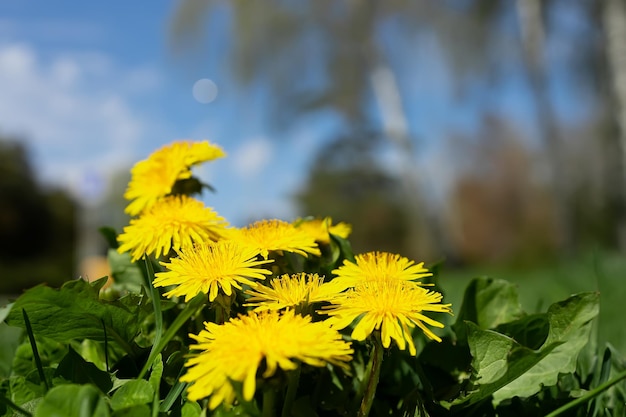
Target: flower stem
269, 400
293, 379
190, 309
376, 361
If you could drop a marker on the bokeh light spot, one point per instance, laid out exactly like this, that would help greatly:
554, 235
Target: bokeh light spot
204, 91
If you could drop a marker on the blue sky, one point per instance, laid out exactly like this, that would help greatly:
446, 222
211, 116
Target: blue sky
92, 87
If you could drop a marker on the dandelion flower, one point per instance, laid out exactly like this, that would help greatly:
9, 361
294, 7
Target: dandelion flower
174, 222
290, 291
235, 350
321, 229
276, 235
392, 306
154, 177
376, 266
207, 267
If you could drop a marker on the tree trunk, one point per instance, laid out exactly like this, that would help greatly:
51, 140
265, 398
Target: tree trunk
533, 41
614, 24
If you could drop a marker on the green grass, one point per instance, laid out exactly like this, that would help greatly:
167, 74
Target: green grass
543, 285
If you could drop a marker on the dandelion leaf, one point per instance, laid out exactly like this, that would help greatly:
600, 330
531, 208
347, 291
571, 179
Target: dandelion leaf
134, 393
71, 400
487, 302
505, 368
75, 311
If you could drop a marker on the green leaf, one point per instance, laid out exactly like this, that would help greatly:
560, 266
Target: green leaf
75, 369
76, 312
10, 337
504, 368
134, 411
487, 302
570, 326
26, 388
530, 331
191, 409
72, 400
156, 373
132, 393
127, 275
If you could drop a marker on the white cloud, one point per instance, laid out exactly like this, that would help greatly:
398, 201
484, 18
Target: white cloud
70, 110
252, 156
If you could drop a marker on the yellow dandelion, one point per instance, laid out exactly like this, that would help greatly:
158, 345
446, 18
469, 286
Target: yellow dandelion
235, 350
321, 229
376, 266
174, 222
392, 306
278, 236
290, 291
154, 177
207, 267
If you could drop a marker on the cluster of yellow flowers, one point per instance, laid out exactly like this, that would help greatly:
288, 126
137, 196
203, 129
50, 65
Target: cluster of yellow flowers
202, 253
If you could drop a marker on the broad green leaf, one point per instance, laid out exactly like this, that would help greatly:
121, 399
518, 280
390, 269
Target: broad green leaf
132, 393
530, 331
504, 368
75, 312
487, 302
72, 400
135, 411
570, 326
75, 369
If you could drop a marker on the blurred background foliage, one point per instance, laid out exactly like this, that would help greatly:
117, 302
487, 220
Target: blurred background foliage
517, 195
516, 198
38, 231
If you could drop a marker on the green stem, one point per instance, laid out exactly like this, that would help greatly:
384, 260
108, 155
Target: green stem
589, 395
190, 309
293, 379
376, 361
269, 402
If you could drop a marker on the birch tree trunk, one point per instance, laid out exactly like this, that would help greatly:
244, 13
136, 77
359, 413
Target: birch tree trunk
614, 23
531, 25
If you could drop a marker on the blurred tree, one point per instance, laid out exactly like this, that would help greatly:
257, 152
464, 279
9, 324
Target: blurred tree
342, 63
502, 211
37, 227
612, 16
355, 58
361, 194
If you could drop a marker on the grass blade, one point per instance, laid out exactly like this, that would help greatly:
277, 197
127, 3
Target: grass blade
33, 344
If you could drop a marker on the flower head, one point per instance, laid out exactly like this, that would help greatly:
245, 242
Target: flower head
276, 235
235, 350
392, 306
174, 222
321, 229
207, 267
290, 291
154, 177
376, 266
